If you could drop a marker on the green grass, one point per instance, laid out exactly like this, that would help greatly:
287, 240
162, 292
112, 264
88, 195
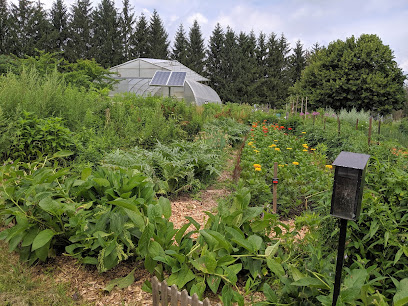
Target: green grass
20, 286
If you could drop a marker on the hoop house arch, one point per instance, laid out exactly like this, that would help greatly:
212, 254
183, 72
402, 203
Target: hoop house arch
135, 76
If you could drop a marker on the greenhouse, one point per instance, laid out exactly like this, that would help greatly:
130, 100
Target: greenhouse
156, 77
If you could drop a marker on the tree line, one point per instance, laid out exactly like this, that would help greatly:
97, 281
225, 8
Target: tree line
241, 67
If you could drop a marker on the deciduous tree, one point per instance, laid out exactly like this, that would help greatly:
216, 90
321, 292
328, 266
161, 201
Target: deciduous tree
359, 73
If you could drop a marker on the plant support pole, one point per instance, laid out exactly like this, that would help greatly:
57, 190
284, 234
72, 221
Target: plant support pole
275, 187
340, 258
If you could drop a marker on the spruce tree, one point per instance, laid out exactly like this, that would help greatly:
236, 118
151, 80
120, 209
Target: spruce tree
229, 72
41, 30
259, 89
179, 52
246, 66
214, 58
196, 50
127, 22
59, 22
4, 26
106, 40
140, 39
297, 62
21, 28
79, 42
158, 43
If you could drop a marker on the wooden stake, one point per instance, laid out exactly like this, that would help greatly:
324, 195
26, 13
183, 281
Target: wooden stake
301, 106
297, 100
306, 109
369, 130
357, 124
275, 187
338, 125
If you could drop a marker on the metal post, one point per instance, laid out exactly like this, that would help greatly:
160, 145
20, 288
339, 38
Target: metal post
340, 258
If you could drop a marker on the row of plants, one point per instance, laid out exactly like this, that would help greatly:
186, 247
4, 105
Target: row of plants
376, 252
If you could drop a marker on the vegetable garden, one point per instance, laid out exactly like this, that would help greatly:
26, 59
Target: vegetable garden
91, 177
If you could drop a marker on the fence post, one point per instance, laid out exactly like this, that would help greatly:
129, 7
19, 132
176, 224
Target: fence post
369, 130
275, 187
357, 124
155, 291
174, 296
338, 125
163, 288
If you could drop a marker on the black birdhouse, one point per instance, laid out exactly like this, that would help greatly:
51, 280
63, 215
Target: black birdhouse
348, 185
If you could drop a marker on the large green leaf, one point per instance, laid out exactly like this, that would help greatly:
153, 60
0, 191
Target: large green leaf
272, 249
275, 266
182, 277
166, 207
130, 204
401, 296
239, 239
121, 282
213, 281
310, 282
42, 239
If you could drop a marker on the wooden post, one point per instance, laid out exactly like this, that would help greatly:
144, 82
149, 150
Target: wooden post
357, 124
297, 100
379, 130
306, 109
301, 106
369, 130
338, 125
275, 187
155, 289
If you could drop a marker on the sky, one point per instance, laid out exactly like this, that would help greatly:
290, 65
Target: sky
309, 21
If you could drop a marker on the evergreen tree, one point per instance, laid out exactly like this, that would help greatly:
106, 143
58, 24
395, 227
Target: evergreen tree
246, 66
196, 50
79, 42
21, 28
259, 89
158, 44
127, 22
59, 21
297, 62
179, 52
214, 58
106, 41
4, 26
229, 72
140, 39
277, 69
41, 30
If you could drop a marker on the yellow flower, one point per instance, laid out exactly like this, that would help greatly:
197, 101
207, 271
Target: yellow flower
256, 151
275, 140
272, 145
250, 143
313, 149
304, 150
288, 148
281, 165
257, 165
258, 169
329, 166
295, 163
305, 144
303, 132
277, 149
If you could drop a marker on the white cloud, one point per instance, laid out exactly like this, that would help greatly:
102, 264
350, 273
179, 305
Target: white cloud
201, 19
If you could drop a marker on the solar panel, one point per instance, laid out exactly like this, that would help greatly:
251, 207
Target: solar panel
177, 79
160, 78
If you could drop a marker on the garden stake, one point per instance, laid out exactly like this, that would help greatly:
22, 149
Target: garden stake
297, 100
275, 186
357, 124
369, 130
340, 258
379, 131
338, 125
